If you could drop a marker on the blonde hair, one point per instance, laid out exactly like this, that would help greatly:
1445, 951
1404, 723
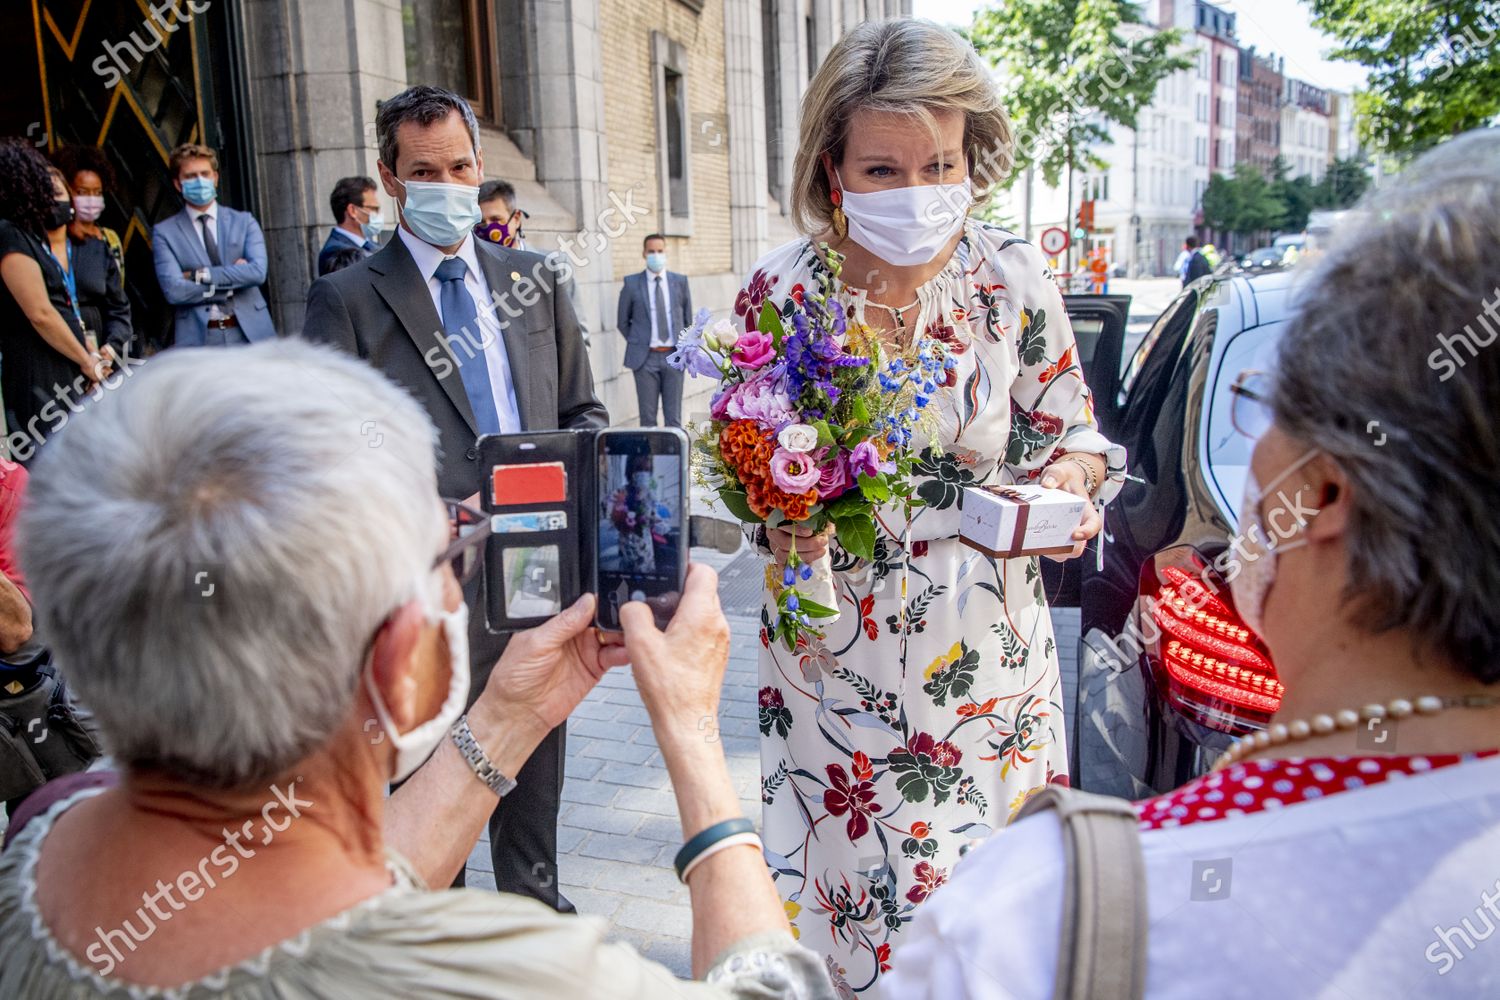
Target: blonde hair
906, 66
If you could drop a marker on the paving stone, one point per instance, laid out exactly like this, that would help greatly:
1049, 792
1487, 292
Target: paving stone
629, 774
636, 715
654, 882
605, 819
651, 800
480, 859
479, 879
595, 793
592, 902
654, 918
568, 839
589, 709
603, 729
629, 753
666, 829
610, 847
583, 768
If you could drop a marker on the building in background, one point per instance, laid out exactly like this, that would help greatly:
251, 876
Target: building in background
1305, 133
1258, 131
613, 118
1343, 141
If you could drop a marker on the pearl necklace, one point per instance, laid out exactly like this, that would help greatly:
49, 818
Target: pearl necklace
1346, 718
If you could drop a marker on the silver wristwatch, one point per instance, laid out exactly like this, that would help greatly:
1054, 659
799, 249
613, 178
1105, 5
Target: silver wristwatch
484, 770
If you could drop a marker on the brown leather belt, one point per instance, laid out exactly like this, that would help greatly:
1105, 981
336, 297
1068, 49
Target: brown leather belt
659, 349
227, 323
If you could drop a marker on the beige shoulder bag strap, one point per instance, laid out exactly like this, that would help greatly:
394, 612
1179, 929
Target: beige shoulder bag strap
1102, 952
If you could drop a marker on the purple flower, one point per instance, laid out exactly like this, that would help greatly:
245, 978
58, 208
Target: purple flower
864, 459
792, 471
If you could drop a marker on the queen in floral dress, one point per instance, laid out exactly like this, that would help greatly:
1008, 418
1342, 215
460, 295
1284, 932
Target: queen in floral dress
932, 707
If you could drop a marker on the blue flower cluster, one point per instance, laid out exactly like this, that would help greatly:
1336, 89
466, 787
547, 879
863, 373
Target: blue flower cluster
921, 376
812, 355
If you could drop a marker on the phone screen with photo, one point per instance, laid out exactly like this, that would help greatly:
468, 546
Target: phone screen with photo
642, 522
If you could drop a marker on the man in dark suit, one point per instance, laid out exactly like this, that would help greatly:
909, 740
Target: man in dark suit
655, 306
210, 259
480, 336
356, 210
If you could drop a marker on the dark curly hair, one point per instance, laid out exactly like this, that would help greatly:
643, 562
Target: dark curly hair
26, 193
71, 159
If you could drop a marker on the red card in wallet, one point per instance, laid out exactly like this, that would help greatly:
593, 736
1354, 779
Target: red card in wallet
538, 482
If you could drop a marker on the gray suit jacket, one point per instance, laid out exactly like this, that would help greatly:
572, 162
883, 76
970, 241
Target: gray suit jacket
634, 314
380, 309
177, 246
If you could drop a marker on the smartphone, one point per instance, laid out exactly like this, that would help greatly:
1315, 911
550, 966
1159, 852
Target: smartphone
641, 538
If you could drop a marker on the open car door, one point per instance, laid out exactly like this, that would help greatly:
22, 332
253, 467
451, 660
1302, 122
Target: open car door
1099, 329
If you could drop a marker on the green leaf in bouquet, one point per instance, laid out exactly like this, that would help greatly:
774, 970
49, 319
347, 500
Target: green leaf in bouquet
847, 505
770, 323
859, 411
813, 609
857, 535
825, 434
875, 488
738, 505
776, 518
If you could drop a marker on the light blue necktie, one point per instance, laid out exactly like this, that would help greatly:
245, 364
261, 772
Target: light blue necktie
461, 323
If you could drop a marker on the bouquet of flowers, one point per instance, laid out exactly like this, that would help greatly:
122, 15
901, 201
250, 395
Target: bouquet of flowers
812, 425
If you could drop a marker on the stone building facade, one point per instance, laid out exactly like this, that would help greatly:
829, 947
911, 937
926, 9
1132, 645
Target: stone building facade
614, 119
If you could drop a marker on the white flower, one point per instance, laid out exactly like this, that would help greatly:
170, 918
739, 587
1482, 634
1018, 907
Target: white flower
724, 333
799, 438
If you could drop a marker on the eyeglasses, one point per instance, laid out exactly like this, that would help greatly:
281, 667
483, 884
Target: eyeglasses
468, 529
1250, 403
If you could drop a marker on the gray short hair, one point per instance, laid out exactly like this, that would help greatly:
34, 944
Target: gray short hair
1387, 366
212, 546
424, 105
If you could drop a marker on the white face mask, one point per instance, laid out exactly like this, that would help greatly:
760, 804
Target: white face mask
439, 214
1258, 567
906, 226
416, 745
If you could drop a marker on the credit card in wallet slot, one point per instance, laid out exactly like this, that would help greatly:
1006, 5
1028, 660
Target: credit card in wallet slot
531, 520
537, 482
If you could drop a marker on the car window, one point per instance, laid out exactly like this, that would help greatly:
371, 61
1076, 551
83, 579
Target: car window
1228, 449
1169, 326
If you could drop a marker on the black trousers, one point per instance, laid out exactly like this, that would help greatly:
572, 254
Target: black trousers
655, 379
523, 827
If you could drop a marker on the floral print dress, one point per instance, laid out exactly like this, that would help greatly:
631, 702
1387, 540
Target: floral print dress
932, 708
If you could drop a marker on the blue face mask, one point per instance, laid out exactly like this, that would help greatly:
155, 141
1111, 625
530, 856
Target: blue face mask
199, 191
656, 263
440, 214
371, 227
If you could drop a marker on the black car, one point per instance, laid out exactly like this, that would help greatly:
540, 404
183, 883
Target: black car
1168, 673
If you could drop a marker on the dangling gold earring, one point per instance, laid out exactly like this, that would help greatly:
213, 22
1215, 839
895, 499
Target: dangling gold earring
840, 223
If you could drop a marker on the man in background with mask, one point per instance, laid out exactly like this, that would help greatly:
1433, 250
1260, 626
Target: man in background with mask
356, 212
481, 337
210, 259
655, 306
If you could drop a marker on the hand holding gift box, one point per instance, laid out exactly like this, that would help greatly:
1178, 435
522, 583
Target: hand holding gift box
1009, 521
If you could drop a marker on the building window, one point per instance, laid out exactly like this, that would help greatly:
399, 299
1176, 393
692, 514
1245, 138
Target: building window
430, 29
674, 183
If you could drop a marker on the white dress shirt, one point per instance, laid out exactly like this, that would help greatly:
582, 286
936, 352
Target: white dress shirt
427, 258
666, 298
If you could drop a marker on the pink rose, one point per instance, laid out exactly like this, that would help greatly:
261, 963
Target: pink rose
793, 471
754, 350
833, 477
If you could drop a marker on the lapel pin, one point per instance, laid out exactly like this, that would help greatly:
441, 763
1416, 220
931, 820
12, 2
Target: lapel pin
515, 276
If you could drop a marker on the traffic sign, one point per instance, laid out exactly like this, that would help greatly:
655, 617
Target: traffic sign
1054, 240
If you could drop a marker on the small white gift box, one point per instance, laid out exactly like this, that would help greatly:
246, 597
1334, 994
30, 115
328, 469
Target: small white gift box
1009, 521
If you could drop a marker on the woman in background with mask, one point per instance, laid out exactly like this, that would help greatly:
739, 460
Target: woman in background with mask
934, 706
98, 259
41, 334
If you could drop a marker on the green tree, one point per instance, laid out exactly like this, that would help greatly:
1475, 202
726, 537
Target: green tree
1298, 195
1245, 205
1069, 69
1343, 185
1434, 66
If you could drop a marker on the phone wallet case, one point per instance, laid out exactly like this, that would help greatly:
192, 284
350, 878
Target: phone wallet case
538, 490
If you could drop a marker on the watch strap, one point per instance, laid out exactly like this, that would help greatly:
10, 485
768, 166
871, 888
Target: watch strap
479, 762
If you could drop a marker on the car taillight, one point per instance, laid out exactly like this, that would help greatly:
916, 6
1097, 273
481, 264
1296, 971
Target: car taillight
1216, 669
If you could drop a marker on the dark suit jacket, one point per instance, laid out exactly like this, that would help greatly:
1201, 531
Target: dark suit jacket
380, 310
634, 314
338, 241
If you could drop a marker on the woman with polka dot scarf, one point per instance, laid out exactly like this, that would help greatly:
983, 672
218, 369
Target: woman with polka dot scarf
1353, 848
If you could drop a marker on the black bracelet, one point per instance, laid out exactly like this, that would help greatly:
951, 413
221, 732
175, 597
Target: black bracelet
708, 838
